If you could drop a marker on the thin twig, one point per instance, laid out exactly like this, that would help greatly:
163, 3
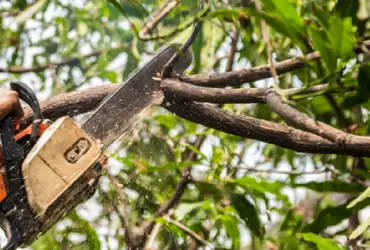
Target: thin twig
186, 178
238, 77
152, 237
233, 49
274, 171
159, 15
265, 34
168, 67
188, 231
126, 215
72, 62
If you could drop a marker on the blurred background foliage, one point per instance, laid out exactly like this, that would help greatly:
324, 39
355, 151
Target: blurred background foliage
245, 194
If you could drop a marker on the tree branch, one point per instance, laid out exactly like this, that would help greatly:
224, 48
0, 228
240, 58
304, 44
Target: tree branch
238, 77
291, 172
261, 130
188, 231
174, 88
233, 49
72, 61
72, 103
188, 155
310, 125
152, 237
158, 16
83, 101
126, 215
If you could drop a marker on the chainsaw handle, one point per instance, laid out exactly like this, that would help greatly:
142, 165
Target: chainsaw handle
13, 154
13, 206
27, 95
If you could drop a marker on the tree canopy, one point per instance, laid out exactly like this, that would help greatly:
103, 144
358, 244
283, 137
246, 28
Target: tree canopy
262, 144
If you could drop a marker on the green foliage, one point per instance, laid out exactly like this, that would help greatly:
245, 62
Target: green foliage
332, 186
243, 194
332, 215
321, 243
248, 212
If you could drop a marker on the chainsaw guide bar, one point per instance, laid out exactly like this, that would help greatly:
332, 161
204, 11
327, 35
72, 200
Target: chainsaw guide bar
121, 110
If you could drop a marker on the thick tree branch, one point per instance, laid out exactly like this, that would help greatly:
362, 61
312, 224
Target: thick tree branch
238, 77
262, 130
310, 125
177, 89
83, 101
72, 103
174, 88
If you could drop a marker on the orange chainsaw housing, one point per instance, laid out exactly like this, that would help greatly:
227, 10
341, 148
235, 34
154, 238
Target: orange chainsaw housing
27, 131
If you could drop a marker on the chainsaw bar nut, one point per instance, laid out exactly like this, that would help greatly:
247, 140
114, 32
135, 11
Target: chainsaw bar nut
77, 150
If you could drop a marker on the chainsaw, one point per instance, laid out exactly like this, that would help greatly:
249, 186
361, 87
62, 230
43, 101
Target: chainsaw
49, 167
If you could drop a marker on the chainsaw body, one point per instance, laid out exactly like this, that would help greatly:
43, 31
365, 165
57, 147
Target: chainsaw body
63, 154
46, 178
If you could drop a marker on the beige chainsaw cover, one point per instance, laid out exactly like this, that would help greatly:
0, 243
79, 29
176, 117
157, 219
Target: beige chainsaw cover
63, 155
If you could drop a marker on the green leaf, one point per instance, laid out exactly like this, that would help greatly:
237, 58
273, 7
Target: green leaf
360, 229
168, 120
290, 243
347, 8
333, 215
110, 75
102, 61
335, 41
92, 237
332, 186
248, 212
185, 208
262, 186
46, 242
82, 28
283, 16
321, 43
231, 227
321, 243
290, 26
196, 150
287, 11
292, 221
218, 155
197, 49
360, 198
363, 91
131, 66
321, 15
30, 11
342, 37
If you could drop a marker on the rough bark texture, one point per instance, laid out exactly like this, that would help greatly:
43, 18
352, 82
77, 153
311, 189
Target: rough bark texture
238, 77
79, 102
